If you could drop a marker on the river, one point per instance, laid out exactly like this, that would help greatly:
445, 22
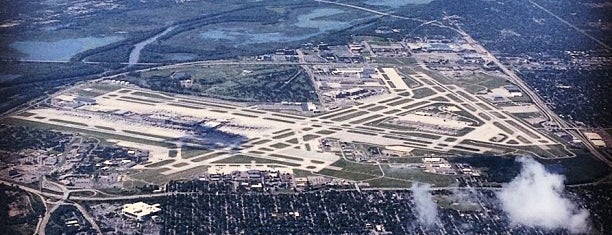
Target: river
135, 54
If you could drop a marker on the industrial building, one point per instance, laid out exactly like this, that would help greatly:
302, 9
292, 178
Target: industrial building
513, 90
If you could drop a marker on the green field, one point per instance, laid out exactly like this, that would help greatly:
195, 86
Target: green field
419, 175
104, 136
245, 83
243, 159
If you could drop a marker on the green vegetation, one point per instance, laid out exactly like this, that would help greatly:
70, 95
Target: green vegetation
346, 175
504, 128
282, 136
422, 92
145, 134
105, 128
418, 175
349, 116
279, 145
26, 114
369, 169
89, 93
180, 164
325, 132
32, 80
246, 83
243, 159
310, 137
337, 113
160, 163
68, 122
286, 157
386, 182
280, 120
140, 99
151, 95
48, 126
302, 173
481, 82
208, 156
405, 160
369, 118
28, 206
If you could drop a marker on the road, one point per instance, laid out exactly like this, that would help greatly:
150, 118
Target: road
571, 25
550, 115
372, 11
61, 200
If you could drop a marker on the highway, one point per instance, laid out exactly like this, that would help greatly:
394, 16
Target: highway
550, 115
572, 26
61, 200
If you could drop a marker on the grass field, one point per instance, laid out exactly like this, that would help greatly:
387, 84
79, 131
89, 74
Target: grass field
368, 169
422, 93
418, 175
189, 152
160, 163
105, 136
247, 83
68, 122
388, 183
346, 175
243, 159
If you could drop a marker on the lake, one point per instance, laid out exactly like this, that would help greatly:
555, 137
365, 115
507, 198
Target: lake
61, 50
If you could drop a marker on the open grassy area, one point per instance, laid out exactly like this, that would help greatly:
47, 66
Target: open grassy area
189, 152
68, 122
140, 99
249, 83
151, 95
279, 145
349, 116
418, 175
208, 156
422, 92
102, 135
105, 128
286, 157
504, 128
388, 183
301, 173
283, 136
243, 159
26, 114
356, 176
145, 134
405, 160
368, 169
160, 163
310, 137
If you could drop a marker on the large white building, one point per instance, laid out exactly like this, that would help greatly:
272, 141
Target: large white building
140, 210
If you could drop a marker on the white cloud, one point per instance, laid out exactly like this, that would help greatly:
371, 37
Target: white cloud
426, 208
535, 198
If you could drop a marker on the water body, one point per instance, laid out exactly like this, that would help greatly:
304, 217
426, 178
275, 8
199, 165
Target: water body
395, 3
135, 54
61, 50
309, 20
